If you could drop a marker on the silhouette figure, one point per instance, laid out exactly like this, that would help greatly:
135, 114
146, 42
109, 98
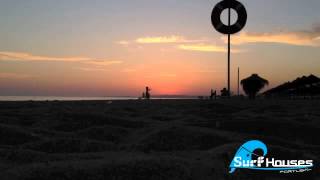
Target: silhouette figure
224, 92
147, 93
253, 84
213, 94
143, 95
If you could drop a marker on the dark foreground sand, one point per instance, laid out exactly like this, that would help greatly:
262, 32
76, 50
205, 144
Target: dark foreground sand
152, 140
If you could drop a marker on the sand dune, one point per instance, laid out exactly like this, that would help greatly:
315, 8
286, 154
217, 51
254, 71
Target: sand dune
151, 140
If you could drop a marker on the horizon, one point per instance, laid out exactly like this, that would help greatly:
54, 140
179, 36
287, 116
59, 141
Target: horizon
112, 48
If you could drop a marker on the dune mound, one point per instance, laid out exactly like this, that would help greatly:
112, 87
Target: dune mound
15, 136
180, 139
22, 156
69, 146
106, 133
281, 152
288, 129
80, 121
140, 169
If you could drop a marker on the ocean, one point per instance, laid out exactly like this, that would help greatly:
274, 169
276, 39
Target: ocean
61, 98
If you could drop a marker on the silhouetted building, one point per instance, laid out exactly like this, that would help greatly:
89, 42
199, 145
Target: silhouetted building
302, 86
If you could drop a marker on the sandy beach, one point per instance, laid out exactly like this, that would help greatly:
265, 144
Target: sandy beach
157, 139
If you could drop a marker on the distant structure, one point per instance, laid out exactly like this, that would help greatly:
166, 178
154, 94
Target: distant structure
301, 87
213, 94
253, 84
225, 92
238, 81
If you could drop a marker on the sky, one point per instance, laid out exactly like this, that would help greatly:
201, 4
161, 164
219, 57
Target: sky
117, 47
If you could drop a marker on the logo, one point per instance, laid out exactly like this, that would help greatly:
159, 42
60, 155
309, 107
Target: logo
245, 158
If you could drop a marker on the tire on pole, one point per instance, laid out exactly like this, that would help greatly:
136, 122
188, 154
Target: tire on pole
236, 27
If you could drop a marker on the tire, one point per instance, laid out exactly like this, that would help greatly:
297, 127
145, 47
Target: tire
236, 27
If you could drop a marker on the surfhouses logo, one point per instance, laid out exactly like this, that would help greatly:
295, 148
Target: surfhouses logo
245, 158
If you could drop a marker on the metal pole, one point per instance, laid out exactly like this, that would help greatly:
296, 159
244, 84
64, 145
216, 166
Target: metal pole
229, 22
238, 81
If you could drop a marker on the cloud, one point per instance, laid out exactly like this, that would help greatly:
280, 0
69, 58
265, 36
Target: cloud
165, 39
206, 48
102, 63
298, 38
123, 43
14, 76
202, 47
19, 56
89, 69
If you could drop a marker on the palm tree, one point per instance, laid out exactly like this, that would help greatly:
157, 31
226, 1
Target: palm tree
253, 84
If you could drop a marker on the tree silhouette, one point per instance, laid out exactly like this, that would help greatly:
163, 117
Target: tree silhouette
253, 84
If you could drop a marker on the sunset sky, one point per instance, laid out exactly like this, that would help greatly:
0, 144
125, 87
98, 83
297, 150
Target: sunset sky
117, 47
